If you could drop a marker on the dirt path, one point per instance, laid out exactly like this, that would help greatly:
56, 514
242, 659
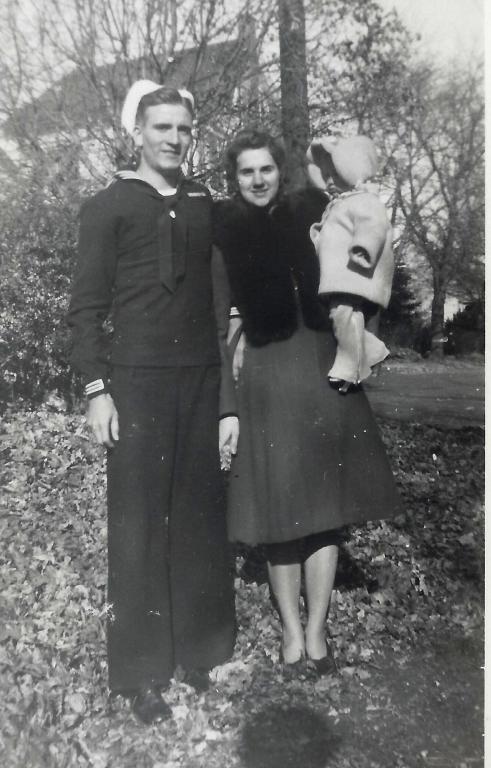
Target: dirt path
429, 394
422, 710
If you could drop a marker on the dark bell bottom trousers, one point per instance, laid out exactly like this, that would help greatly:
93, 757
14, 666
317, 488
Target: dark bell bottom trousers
170, 585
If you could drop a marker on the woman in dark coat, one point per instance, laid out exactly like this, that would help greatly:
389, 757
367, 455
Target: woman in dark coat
309, 461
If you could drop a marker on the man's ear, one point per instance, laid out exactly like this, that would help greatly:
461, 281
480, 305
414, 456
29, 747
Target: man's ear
137, 135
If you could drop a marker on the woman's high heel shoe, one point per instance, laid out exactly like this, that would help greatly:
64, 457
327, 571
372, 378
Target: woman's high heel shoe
326, 665
293, 670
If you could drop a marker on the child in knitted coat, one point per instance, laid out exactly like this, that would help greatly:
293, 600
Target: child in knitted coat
354, 244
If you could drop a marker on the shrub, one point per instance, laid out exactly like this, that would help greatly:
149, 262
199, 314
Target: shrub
465, 331
37, 255
400, 323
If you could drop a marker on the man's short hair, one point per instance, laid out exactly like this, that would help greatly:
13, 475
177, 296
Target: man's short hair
163, 95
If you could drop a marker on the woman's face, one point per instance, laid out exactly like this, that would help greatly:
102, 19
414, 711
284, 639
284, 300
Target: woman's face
258, 176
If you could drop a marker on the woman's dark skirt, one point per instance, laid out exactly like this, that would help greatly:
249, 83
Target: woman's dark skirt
310, 459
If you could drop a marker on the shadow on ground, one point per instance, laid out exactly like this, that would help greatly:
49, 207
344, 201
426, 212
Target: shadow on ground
287, 737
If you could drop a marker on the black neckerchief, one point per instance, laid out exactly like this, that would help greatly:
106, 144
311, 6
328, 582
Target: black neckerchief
171, 228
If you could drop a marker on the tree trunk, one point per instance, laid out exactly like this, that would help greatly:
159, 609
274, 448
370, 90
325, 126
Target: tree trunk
294, 103
438, 315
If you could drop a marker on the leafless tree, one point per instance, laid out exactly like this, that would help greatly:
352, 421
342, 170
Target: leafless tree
68, 65
365, 76
439, 175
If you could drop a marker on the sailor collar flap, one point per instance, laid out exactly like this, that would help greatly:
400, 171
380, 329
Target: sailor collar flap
186, 188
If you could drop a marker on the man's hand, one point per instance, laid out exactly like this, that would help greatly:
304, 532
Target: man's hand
102, 418
228, 437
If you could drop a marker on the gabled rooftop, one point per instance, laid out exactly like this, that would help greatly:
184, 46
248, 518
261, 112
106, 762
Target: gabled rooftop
80, 99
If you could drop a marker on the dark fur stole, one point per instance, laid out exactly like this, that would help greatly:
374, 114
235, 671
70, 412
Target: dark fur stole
267, 252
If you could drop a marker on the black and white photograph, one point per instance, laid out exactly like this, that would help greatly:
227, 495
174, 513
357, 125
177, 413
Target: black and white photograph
242, 378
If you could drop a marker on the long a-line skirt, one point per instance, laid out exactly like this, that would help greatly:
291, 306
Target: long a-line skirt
310, 459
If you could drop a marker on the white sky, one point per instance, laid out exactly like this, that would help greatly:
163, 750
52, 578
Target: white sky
449, 28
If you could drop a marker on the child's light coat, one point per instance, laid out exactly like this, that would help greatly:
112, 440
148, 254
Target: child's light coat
355, 219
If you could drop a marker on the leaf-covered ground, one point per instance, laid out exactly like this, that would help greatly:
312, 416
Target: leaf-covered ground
405, 625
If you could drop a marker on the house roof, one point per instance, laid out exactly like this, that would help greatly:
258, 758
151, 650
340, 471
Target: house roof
81, 98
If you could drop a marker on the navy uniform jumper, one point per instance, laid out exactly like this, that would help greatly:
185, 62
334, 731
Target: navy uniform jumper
149, 260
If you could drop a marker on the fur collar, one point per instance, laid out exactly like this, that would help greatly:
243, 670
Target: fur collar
268, 253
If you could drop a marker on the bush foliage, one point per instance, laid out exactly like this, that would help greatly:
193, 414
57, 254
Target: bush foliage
37, 252
465, 331
400, 323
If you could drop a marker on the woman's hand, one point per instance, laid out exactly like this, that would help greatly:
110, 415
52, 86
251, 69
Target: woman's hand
228, 437
238, 360
234, 331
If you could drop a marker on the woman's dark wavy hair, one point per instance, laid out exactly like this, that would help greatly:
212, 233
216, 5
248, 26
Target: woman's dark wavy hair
162, 95
252, 139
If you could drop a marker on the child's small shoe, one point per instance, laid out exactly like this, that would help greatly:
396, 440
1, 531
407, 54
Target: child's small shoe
340, 384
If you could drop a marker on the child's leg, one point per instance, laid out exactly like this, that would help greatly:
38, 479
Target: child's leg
374, 349
358, 349
349, 327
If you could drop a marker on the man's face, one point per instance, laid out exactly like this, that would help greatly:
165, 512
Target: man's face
164, 136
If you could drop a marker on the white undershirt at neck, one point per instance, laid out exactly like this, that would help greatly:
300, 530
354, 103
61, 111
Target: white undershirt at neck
167, 192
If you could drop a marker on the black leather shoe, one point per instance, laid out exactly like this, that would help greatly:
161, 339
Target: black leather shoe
325, 665
149, 706
294, 670
198, 679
